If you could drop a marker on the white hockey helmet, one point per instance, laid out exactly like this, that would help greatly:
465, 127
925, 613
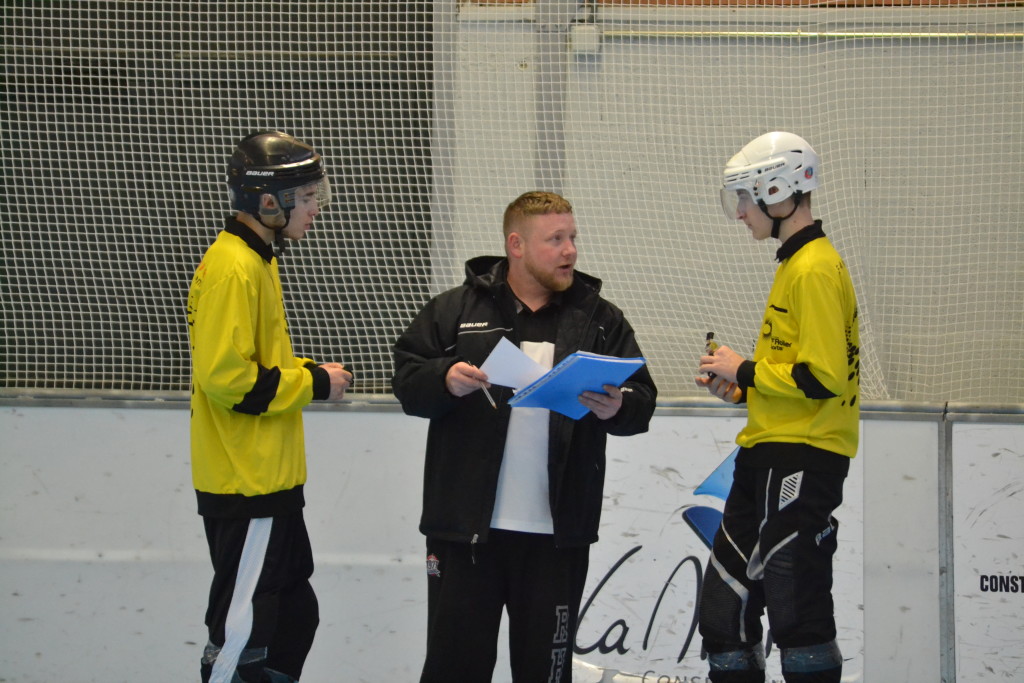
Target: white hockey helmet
770, 168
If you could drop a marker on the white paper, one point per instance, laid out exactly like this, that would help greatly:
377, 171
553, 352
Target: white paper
508, 366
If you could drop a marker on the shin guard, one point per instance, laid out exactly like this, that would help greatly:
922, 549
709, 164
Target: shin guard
737, 666
813, 664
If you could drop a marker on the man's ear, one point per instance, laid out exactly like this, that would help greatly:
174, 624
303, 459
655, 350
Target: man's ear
514, 244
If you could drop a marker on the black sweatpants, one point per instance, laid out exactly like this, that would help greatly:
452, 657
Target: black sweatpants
468, 586
262, 612
773, 551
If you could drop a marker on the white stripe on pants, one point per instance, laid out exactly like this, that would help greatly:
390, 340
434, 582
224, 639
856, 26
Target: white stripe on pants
238, 625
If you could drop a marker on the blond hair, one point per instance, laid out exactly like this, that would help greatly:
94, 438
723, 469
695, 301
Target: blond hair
533, 204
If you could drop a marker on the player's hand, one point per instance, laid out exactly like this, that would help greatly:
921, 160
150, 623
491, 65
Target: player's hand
463, 378
341, 379
721, 387
605, 406
724, 363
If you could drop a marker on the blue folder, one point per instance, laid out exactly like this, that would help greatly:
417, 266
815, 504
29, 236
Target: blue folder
560, 388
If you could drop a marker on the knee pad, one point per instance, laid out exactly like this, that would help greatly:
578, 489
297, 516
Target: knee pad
812, 663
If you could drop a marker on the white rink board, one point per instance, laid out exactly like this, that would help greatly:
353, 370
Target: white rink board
988, 551
103, 560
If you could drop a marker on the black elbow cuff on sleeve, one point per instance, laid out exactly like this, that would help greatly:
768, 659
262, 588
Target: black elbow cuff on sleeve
321, 382
745, 375
809, 384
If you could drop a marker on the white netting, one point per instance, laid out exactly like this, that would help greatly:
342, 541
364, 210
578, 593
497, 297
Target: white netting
118, 118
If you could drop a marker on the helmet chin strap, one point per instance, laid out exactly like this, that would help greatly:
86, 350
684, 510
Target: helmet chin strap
276, 219
777, 220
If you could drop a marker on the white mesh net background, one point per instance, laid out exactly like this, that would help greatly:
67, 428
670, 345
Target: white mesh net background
118, 118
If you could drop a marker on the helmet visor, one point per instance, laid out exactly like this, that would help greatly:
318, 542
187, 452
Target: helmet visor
316, 194
732, 201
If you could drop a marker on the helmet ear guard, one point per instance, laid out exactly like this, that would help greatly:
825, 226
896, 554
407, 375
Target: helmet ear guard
272, 216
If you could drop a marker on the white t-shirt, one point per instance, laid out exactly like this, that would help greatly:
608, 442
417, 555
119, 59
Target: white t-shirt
522, 502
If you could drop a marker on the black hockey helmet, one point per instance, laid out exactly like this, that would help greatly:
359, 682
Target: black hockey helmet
275, 163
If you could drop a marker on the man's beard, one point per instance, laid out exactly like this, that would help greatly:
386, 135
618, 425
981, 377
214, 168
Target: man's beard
549, 280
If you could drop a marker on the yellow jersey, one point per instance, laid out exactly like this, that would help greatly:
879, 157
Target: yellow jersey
806, 377
248, 389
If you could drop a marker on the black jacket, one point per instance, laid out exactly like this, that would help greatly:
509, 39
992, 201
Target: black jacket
466, 438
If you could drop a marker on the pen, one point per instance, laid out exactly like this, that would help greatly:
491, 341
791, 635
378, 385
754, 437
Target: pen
487, 393
490, 398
